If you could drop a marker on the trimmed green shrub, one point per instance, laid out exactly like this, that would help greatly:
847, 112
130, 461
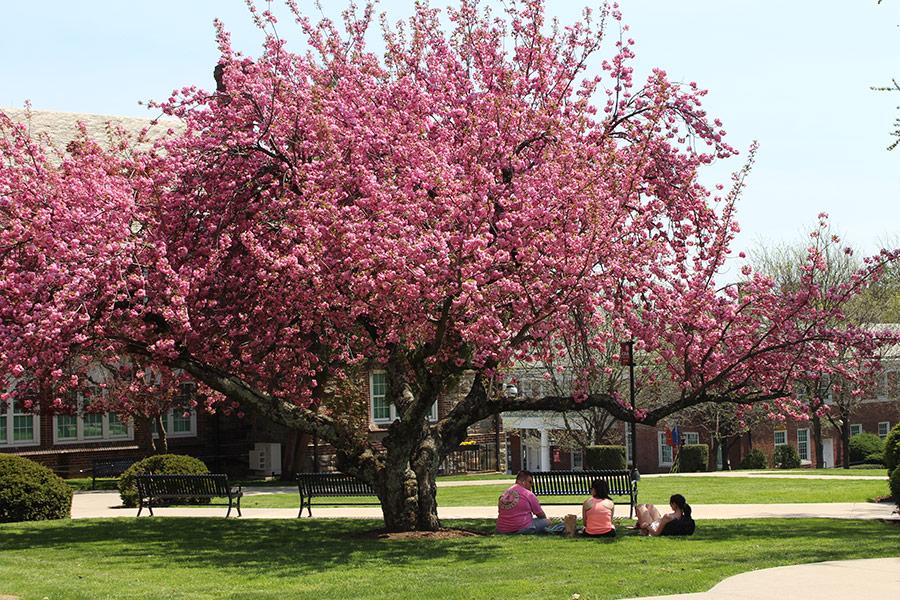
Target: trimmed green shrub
876, 458
895, 486
31, 492
605, 457
864, 444
693, 458
786, 457
892, 449
755, 459
159, 464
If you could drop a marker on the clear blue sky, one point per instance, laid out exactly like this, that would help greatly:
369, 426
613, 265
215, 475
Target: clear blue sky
793, 75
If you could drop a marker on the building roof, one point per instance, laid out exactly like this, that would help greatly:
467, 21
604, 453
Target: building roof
62, 127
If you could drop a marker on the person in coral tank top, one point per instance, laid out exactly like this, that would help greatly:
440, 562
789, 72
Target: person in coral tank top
598, 511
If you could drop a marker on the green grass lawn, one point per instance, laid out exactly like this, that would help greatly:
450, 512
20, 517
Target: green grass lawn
80, 484
258, 559
697, 490
476, 477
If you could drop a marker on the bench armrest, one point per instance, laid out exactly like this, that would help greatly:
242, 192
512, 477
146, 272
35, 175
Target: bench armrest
235, 491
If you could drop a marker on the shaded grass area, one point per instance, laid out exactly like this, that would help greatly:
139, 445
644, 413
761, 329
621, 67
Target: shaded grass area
258, 559
697, 490
81, 484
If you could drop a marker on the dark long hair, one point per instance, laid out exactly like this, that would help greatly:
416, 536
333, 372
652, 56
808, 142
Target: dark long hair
600, 489
679, 501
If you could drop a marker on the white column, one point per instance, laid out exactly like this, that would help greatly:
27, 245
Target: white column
545, 449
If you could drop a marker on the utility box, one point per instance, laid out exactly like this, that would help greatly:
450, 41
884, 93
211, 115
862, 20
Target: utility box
266, 458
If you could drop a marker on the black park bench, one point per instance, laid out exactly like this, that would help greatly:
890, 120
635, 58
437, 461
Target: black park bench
189, 488
578, 483
334, 485
108, 467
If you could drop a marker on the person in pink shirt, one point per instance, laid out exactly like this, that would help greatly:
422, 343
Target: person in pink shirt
517, 504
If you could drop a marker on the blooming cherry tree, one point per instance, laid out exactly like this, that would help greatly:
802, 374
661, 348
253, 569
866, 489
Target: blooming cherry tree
466, 202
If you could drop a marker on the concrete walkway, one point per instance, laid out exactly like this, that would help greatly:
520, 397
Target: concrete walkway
875, 578
86, 505
768, 475
292, 489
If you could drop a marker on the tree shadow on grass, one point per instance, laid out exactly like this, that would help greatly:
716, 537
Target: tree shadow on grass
803, 540
278, 548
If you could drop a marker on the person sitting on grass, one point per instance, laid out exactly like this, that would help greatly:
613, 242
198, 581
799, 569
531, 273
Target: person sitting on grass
677, 522
598, 511
517, 504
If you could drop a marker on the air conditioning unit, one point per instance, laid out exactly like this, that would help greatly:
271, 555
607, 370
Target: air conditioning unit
266, 458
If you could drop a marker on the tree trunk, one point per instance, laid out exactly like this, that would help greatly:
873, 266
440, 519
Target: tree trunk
161, 443
409, 503
144, 433
728, 442
294, 460
817, 438
845, 442
716, 452
407, 485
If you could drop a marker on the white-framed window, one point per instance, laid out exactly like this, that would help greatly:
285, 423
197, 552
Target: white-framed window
628, 459
18, 427
855, 429
665, 450
691, 437
179, 422
382, 412
884, 427
881, 386
86, 426
780, 437
577, 460
803, 444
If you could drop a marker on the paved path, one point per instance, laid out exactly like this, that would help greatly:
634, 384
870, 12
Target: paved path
106, 504
767, 475
875, 578
285, 489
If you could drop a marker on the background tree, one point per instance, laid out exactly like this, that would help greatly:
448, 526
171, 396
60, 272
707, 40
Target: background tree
834, 386
443, 212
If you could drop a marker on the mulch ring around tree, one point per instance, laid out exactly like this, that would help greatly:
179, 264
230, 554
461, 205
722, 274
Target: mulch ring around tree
440, 534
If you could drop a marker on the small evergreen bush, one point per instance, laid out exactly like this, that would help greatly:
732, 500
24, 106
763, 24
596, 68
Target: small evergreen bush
693, 458
605, 457
159, 464
755, 459
786, 457
892, 449
31, 492
864, 444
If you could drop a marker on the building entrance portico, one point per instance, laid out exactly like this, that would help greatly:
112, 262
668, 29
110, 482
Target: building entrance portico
535, 428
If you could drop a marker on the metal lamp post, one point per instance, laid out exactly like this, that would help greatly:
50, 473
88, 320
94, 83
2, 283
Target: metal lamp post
626, 358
